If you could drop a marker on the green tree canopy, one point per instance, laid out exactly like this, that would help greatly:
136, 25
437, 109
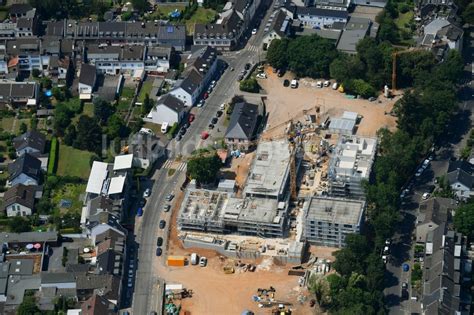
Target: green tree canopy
89, 134
464, 220
28, 306
204, 166
19, 225
102, 110
249, 85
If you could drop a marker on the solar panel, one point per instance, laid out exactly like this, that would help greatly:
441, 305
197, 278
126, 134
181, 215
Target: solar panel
170, 29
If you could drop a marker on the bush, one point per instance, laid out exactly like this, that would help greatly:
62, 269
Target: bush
403, 8
249, 85
53, 156
173, 131
359, 87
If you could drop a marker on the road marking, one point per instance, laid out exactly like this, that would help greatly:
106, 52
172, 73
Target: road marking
179, 166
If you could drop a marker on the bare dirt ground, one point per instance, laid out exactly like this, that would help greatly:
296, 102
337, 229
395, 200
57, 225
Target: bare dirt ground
284, 103
217, 293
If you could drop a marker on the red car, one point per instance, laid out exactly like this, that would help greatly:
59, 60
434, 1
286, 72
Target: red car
191, 118
204, 135
205, 96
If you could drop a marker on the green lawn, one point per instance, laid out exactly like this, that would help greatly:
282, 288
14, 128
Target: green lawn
163, 11
125, 99
404, 18
3, 14
201, 16
88, 109
155, 127
146, 89
73, 162
71, 192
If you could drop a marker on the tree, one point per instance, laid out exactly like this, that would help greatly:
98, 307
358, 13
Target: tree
89, 134
70, 135
204, 166
249, 85
359, 87
23, 128
468, 14
62, 118
102, 110
147, 105
464, 220
28, 306
35, 73
277, 53
140, 5
388, 31
19, 225
116, 127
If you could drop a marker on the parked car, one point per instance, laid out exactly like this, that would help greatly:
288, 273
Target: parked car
139, 212
254, 31
159, 241
147, 193
162, 224
286, 83
261, 76
425, 196
203, 261
204, 135
169, 197
205, 96
182, 131
179, 137
191, 118
142, 202
248, 66
222, 107
280, 72
166, 208
219, 113
326, 83
200, 104
240, 77
211, 126
158, 251
214, 120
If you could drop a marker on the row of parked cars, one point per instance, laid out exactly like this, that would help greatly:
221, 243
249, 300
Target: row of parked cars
162, 224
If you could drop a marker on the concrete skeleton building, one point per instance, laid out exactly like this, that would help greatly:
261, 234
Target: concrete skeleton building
327, 221
350, 164
263, 209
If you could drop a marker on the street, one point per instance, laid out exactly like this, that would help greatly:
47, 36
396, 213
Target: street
402, 249
146, 296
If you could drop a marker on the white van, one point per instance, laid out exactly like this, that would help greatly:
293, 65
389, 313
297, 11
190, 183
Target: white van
203, 262
294, 84
326, 83
334, 86
319, 84
194, 259
164, 127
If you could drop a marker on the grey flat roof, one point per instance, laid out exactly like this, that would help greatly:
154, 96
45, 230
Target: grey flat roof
342, 124
29, 237
334, 210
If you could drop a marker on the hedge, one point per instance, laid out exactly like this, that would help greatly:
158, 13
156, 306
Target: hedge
173, 131
53, 156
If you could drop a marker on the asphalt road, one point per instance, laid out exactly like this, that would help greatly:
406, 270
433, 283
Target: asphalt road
146, 282
146, 297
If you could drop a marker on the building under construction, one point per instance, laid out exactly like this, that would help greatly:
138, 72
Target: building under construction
263, 209
350, 164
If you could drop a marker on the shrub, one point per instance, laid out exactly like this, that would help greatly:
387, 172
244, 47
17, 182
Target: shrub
53, 156
173, 130
249, 85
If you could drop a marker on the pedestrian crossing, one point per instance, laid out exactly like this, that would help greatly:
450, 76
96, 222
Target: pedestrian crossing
179, 166
252, 48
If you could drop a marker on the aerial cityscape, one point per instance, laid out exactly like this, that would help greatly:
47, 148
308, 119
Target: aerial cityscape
246, 157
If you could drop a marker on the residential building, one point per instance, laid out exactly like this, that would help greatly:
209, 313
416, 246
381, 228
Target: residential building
158, 59
427, 10
98, 305
224, 34
25, 55
32, 142
327, 221
243, 125
355, 30
350, 164
22, 23
200, 68
218, 212
439, 32
103, 222
246, 10
22, 239
270, 170
58, 280
110, 254
168, 109
444, 274
342, 5
460, 177
313, 17
60, 69
109, 286
19, 201
25, 170
434, 213
87, 81
146, 149
114, 32
280, 28
19, 94
113, 60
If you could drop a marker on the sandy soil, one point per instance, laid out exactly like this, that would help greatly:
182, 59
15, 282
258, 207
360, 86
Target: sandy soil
284, 104
217, 293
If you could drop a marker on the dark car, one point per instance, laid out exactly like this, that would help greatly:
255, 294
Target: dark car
158, 251
405, 294
182, 131
162, 224
169, 197
211, 126
247, 66
179, 137
241, 76
142, 202
280, 72
186, 125
286, 83
205, 96
159, 241
214, 120
219, 113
